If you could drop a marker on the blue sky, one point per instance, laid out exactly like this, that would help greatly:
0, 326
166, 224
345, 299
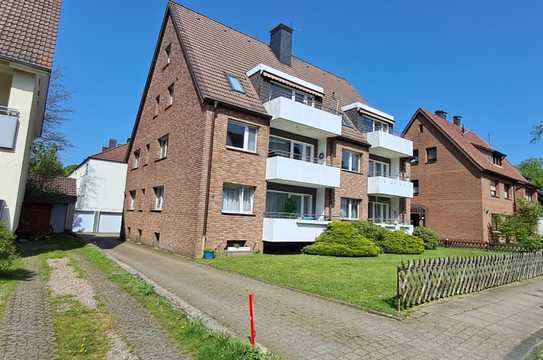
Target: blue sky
478, 59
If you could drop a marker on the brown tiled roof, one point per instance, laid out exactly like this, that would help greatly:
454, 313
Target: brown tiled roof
28, 31
215, 50
467, 141
59, 185
117, 154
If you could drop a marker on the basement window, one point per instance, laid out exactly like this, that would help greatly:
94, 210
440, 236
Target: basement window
235, 84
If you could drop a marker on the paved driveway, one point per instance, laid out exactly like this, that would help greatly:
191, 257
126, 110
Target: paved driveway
497, 324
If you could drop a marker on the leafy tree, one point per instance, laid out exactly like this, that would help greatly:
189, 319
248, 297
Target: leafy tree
69, 168
532, 169
537, 132
522, 226
8, 252
45, 162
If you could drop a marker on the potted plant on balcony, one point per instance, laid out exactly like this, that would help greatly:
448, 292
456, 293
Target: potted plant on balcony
209, 254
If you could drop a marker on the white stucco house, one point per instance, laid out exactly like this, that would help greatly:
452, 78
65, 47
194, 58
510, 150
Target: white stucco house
100, 181
28, 32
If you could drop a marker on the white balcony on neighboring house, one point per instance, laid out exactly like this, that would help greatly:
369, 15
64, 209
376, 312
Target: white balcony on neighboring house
390, 186
388, 145
9, 120
292, 230
299, 118
290, 171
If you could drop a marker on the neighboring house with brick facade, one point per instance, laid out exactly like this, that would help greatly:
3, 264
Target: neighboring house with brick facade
239, 143
28, 30
101, 179
460, 182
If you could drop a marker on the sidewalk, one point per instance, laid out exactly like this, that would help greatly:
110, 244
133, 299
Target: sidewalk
491, 325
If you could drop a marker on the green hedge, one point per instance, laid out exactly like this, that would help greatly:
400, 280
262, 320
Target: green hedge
398, 242
370, 231
431, 241
8, 252
342, 239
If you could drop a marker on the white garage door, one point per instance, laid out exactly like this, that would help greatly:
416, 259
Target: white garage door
109, 223
83, 221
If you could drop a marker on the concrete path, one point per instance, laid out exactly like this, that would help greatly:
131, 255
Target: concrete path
497, 324
28, 331
148, 339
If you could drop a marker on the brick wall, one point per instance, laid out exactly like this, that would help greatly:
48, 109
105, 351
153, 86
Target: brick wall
185, 121
450, 189
353, 185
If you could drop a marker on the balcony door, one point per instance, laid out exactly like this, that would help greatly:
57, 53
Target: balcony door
378, 168
379, 210
285, 204
279, 146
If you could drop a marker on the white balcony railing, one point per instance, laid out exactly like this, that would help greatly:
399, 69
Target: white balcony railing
395, 226
300, 118
389, 145
291, 230
390, 186
301, 173
9, 119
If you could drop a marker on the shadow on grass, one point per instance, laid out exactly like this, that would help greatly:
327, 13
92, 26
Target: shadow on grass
56, 242
19, 274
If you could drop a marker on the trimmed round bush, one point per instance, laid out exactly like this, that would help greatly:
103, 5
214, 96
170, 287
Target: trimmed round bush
342, 239
8, 252
431, 241
398, 242
370, 231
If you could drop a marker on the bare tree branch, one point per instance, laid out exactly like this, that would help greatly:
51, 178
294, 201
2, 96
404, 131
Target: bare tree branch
537, 133
57, 113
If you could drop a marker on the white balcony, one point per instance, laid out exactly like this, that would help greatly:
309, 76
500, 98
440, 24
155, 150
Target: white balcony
388, 145
292, 230
299, 118
407, 228
390, 186
301, 173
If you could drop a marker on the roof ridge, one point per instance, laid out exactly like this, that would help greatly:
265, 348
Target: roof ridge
109, 149
256, 39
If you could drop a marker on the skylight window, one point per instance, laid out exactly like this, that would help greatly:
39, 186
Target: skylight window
235, 84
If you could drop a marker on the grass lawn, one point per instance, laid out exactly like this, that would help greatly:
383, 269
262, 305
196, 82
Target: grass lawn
367, 282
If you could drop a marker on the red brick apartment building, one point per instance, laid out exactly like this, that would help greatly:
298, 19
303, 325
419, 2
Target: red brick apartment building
238, 142
460, 181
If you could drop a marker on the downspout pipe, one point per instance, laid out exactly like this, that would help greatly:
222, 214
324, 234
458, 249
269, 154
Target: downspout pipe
208, 184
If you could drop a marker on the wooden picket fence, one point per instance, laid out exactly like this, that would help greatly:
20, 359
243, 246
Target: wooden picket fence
421, 281
481, 245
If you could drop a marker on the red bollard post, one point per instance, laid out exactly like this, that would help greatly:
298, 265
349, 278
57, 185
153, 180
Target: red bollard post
252, 335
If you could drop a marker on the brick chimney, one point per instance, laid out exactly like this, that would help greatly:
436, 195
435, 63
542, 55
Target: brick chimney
281, 43
457, 120
111, 144
442, 114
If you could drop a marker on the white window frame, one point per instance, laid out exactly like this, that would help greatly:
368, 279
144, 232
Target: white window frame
386, 168
302, 210
493, 188
163, 147
168, 51
242, 195
171, 92
351, 157
245, 136
159, 197
132, 203
136, 161
291, 147
507, 191
385, 206
350, 206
